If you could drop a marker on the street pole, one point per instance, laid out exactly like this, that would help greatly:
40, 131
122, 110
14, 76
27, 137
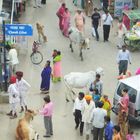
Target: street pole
1, 2
12, 12
12, 16
5, 65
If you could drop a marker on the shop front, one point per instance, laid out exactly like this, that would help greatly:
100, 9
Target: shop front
117, 6
17, 6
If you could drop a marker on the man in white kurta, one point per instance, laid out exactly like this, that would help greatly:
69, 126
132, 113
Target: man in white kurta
77, 111
23, 87
87, 114
13, 60
13, 97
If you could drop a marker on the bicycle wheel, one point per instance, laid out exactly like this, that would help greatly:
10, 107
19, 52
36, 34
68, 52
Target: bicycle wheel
36, 57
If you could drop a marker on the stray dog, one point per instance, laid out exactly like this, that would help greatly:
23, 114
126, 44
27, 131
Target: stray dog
41, 32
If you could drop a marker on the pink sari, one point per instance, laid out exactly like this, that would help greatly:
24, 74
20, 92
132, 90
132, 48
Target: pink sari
124, 103
66, 23
57, 68
79, 21
61, 14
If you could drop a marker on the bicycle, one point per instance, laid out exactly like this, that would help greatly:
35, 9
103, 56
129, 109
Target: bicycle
36, 56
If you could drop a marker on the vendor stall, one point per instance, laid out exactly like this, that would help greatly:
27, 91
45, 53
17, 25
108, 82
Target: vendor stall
132, 38
133, 15
18, 7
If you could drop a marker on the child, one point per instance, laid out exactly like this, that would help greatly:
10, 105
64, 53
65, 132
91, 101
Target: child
47, 112
95, 96
13, 97
130, 135
116, 135
108, 128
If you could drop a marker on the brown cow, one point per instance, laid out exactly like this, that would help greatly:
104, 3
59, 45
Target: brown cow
24, 130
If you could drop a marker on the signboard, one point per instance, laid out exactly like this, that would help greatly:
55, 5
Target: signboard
119, 5
18, 29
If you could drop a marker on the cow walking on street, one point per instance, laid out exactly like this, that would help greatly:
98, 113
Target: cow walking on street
78, 38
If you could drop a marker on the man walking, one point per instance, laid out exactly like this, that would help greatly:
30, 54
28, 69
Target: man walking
22, 87
77, 111
95, 22
86, 116
98, 121
13, 60
123, 58
107, 22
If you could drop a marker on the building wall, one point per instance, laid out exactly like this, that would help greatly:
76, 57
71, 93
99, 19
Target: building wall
138, 3
1, 1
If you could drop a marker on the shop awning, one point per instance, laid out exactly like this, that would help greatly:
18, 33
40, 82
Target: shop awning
133, 14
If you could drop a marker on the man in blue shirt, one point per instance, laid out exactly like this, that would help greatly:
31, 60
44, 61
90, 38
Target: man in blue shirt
108, 128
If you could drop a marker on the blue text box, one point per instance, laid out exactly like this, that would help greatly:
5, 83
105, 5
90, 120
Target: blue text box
18, 29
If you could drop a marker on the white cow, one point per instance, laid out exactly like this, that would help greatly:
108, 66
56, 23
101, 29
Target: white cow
80, 80
79, 39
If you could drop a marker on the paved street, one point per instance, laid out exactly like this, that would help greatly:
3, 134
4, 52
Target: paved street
100, 55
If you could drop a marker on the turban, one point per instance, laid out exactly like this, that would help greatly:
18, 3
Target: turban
12, 79
88, 97
19, 73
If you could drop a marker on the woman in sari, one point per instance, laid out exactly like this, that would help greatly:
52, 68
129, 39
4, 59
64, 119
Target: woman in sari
126, 21
57, 67
107, 104
46, 75
66, 22
79, 20
60, 14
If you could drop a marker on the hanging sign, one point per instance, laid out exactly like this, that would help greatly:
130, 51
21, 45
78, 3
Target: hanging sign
18, 30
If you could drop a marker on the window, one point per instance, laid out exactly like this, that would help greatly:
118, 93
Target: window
131, 92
